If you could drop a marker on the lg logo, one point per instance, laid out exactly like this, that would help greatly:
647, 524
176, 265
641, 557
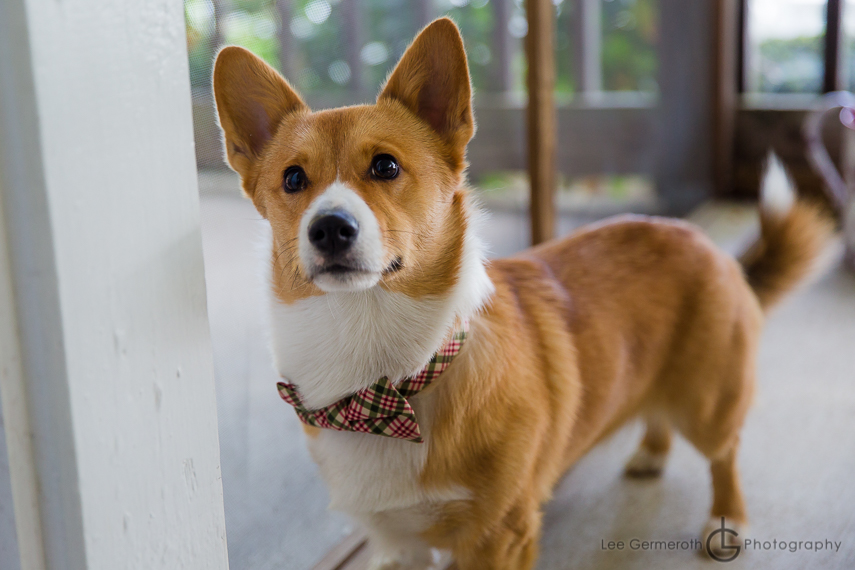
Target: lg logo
722, 550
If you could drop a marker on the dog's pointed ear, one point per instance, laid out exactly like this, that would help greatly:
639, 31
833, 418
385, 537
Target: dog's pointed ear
432, 81
252, 98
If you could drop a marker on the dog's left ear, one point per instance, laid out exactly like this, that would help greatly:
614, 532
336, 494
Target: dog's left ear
432, 81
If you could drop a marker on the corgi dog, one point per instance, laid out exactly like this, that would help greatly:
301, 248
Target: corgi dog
376, 266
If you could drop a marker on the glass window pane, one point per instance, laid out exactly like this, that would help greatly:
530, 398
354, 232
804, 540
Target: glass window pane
785, 46
848, 48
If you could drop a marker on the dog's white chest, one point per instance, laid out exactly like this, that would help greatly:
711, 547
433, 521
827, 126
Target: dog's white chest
333, 345
369, 473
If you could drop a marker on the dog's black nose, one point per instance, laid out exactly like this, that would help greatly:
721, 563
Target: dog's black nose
334, 232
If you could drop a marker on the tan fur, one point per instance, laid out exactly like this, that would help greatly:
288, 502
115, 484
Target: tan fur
633, 317
786, 251
339, 144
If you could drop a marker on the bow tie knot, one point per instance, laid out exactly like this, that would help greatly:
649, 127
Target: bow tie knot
381, 408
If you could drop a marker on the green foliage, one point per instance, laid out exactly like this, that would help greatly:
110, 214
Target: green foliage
476, 25
630, 32
252, 24
629, 36
792, 65
318, 58
319, 62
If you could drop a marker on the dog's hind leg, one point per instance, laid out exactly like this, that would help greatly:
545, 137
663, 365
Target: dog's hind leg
649, 459
727, 492
713, 427
728, 508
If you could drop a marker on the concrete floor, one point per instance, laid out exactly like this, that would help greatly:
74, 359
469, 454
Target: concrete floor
275, 504
798, 452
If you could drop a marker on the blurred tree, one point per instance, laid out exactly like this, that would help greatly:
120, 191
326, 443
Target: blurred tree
793, 65
320, 28
320, 33
630, 29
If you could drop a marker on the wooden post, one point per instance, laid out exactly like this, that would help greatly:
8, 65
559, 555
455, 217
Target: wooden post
541, 115
743, 50
833, 22
725, 84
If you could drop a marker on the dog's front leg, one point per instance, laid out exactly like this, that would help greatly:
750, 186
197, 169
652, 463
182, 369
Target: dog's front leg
399, 560
397, 547
513, 545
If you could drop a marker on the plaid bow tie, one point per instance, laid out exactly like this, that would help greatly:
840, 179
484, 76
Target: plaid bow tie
381, 408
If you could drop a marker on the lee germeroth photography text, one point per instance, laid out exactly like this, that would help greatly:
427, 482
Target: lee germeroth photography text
793, 545
746, 544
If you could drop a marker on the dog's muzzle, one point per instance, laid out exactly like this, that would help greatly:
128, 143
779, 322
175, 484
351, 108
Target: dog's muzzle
333, 233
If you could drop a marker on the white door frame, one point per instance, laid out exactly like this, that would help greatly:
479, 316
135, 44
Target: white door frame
107, 380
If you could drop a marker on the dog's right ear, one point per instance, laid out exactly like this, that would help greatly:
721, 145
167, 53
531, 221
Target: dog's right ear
432, 81
252, 98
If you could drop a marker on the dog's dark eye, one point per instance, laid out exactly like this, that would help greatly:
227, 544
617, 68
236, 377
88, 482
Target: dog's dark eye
294, 180
384, 166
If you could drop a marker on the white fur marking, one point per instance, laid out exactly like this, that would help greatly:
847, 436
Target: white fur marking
643, 462
777, 191
333, 345
367, 253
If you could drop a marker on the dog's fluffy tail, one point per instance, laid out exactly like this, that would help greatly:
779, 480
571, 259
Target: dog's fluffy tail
793, 235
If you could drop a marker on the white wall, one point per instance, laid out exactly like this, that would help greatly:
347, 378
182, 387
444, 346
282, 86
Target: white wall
16, 451
102, 230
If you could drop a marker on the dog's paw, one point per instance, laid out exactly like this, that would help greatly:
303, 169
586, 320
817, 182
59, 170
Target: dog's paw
384, 563
401, 561
645, 464
723, 539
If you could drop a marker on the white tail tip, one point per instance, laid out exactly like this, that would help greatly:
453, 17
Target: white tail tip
777, 191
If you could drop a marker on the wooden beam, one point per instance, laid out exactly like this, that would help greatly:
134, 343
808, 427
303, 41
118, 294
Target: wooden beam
344, 555
833, 21
354, 553
605, 138
725, 87
539, 43
742, 48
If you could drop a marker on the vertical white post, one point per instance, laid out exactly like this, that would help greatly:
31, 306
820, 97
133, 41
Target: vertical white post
586, 33
591, 58
111, 388
20, 522
685, 166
